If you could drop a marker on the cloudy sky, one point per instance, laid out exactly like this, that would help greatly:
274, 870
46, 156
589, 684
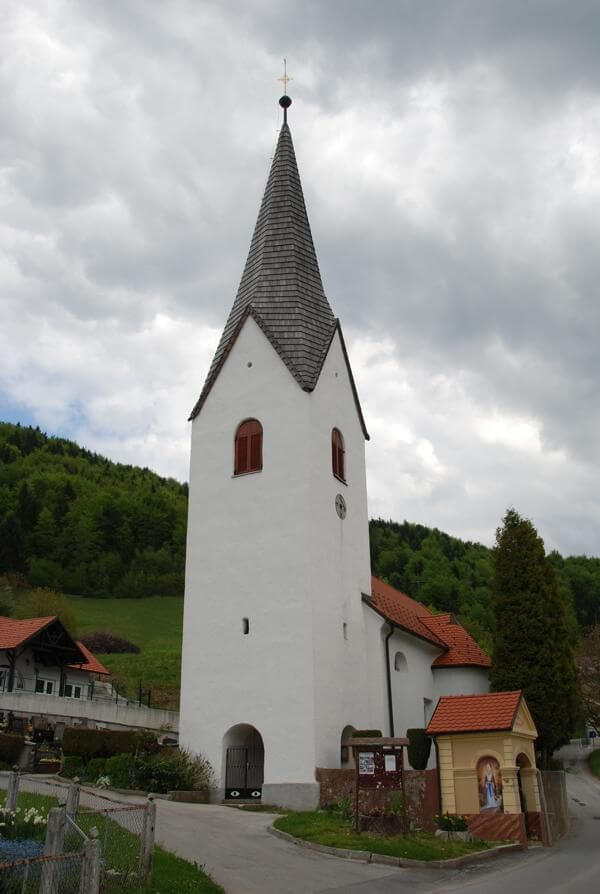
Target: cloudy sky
450, 157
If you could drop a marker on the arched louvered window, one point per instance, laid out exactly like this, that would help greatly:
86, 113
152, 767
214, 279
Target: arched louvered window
248, 447
337, 454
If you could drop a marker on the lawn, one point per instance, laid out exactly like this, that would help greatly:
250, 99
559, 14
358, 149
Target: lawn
594, 763
155, 625
331, 829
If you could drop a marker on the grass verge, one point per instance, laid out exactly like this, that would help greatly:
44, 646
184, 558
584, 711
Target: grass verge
593, 762
325, 827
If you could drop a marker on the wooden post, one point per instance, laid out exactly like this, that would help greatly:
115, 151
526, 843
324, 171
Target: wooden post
73, 799
13, 789
55, 837
90, 867
147, 840
356, 793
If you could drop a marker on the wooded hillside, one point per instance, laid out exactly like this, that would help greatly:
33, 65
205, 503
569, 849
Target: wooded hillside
77, 522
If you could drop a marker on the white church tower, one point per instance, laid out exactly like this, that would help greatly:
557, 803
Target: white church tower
274, 650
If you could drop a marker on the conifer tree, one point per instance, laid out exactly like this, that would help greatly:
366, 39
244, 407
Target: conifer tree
532, 650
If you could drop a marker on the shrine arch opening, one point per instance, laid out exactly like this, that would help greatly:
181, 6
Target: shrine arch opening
244, 758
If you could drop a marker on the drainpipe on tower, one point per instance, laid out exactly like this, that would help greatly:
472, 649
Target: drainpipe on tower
389, 678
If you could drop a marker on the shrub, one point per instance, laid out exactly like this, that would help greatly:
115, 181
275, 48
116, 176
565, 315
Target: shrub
366, 734
41, 603
120, 769
450, 822
173, 769
95, 768
108, 643
10, 747
72, 767
90, 743
419, 748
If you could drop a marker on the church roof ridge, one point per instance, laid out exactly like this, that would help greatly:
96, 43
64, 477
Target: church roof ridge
281, 283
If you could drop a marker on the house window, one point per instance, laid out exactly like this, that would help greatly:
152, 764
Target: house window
248, 447
71, 691
44, 687
337, 454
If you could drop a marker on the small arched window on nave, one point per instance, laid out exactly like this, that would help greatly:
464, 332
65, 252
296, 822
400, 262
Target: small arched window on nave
338, 458
248, 447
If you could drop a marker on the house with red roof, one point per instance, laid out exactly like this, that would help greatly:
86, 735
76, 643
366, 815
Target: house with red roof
422, 657
39, 656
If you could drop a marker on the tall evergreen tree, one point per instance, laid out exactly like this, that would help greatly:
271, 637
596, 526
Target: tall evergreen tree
532, 650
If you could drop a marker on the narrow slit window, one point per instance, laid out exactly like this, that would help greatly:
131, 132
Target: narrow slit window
338, 457
248, 447
245, 626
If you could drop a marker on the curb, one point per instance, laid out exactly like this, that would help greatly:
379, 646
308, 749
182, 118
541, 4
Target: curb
387, 860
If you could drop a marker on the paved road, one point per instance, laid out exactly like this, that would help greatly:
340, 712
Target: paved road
240, 854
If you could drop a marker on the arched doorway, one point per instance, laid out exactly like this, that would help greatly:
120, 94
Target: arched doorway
244, 762
346, 756
524, 782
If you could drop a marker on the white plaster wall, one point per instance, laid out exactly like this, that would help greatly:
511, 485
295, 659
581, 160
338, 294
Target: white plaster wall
460, 681
411, 687
339, 562
270, 547
248, 555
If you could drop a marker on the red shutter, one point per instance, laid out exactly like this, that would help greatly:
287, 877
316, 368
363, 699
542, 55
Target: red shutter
255, 453
340, 463
334, 457
241, 454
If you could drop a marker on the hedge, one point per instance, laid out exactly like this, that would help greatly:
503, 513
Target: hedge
90, 743
419, 747
10, 747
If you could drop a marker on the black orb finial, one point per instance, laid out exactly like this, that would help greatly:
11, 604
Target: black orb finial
285, 102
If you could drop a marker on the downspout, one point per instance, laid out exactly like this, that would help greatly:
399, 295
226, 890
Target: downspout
389, 678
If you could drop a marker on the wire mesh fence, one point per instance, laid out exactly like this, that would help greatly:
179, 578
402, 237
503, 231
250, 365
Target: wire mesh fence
124, 833
60, 874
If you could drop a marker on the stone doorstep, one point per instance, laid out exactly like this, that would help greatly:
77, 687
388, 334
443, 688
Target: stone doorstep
400, 862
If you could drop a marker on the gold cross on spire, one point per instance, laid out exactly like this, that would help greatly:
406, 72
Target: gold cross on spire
285, 77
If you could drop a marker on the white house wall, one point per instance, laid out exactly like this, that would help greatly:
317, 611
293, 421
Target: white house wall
29, 670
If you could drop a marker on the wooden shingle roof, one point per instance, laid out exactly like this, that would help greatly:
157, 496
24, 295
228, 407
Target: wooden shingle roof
281, 285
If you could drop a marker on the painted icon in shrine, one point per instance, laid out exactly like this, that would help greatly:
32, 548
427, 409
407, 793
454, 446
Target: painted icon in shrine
489, 778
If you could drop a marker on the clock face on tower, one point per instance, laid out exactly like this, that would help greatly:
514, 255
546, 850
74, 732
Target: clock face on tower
340, 506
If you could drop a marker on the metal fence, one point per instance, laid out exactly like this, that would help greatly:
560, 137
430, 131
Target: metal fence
87, 821
59, 874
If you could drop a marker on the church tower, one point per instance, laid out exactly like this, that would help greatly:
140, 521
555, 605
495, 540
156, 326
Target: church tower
275, 660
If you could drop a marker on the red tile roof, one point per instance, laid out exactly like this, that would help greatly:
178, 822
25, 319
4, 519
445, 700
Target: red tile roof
475, 713
462, 648
459, 647
14, 633
92, 665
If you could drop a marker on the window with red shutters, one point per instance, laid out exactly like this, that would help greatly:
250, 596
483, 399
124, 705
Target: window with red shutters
337, 454
248, 447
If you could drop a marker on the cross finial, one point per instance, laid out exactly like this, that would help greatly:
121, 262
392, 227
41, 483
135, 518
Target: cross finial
285, 77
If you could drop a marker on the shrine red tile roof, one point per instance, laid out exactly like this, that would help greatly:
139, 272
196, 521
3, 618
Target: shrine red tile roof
16, 632
459, 647
488, 712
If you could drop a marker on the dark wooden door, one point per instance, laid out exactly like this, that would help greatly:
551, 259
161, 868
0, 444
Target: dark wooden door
244, 772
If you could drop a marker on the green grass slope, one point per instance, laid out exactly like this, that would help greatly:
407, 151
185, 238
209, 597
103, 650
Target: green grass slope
155, 625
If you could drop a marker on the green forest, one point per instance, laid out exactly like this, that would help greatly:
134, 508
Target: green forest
76, 522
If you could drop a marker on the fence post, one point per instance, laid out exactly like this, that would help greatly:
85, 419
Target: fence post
90, 867
55, 838
13, 789
147, 842
73, 799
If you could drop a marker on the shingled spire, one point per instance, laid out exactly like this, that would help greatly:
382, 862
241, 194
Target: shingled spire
281, 284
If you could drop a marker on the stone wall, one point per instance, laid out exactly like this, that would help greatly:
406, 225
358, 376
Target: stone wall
421, 791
